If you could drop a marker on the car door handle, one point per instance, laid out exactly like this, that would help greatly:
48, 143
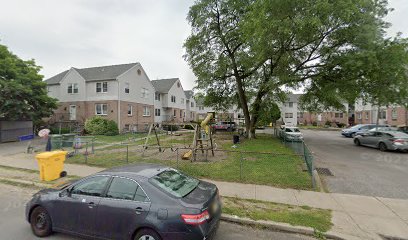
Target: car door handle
139, 210
91, 204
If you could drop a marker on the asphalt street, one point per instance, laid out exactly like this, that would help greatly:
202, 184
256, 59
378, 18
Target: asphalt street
14, 227
357, 169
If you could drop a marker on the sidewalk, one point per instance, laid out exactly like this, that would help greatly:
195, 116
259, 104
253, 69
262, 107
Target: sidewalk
354, 217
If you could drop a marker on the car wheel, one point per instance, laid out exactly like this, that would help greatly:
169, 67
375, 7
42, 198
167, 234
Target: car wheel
357, 142
353, 135
147, 234
40, 222
382, 147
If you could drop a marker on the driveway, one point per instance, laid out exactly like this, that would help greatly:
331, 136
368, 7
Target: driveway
358, 170
14, 227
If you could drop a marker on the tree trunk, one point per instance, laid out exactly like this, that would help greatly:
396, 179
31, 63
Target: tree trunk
244, 103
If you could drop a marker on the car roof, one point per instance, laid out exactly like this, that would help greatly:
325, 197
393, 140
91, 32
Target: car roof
141, 170
396, 133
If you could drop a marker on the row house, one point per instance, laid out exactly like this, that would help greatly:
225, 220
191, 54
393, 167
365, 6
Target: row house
365, 113
292, 114
122, 93
231, 114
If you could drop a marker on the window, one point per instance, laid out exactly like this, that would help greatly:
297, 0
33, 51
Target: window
192, 104
102, 87
157, 96
288, 115
184, 114
91, 187
173, 99
367, 115
174, 182
146, 111
382, 114
72, 88
145, 93
291, 104
300, 115
174, 112
140, 195
130, 110
122, 188
157, 112
127, 88
200, 108
101, 109
181, 113
182, 101
359, 115
338, 115
394, 114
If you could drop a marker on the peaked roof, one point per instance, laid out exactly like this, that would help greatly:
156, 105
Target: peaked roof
189, 94
95, 73
57, 78
164, 85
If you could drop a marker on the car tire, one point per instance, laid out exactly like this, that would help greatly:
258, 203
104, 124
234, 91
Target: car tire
382, 147
357, 142
353, 135
147, 234
40, 221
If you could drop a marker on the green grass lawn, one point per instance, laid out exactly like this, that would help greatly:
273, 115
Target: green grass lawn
318, 219
279, 168
118, 138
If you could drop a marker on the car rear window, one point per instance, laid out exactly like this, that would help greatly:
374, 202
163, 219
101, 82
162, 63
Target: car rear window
174, 182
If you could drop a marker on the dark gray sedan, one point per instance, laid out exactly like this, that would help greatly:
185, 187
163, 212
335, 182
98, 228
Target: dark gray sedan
384, 140
141, 202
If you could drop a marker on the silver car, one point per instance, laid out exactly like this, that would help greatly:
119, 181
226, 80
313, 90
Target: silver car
384, 140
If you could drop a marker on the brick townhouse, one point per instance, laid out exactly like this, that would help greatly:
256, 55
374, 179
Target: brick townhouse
122, 93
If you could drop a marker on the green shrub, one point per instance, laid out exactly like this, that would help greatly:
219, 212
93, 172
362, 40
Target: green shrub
101, 126
328, 123
170, 127
189, 127
56, 130
111, 128
314, 123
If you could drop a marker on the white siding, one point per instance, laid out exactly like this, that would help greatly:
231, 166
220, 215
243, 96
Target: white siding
136, 84
72, 77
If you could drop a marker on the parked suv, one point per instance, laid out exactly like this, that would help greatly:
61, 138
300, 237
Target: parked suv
225, 125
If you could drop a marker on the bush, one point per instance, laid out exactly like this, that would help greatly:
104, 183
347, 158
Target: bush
189, 127
56, 130
314, 123
170, 127
328, 123
341, 125
101, 126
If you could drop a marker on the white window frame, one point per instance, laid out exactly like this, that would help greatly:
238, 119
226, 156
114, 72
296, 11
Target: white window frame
381, 115
157, 112
73, 87
146, 111
144, 93
367, 115
288, 115
359, 115
290, 104
103, 87
339, 115
182, 100
173, 99
394, 114
130, 109
127, 87
157, 96
102, 109
192, 104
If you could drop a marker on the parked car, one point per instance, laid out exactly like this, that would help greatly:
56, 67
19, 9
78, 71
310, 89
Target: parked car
377, 129
384, 140
142, 201
351, 131
403, 128
291, 133
225, 125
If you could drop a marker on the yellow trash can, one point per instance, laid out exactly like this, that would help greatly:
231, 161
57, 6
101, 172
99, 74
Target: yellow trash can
51, 165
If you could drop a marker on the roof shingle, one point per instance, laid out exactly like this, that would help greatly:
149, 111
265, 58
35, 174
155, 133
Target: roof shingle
164, 85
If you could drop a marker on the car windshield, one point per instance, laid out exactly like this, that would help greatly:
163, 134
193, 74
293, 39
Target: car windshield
174, 182
292, 130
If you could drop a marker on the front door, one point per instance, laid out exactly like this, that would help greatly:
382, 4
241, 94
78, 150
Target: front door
72, 112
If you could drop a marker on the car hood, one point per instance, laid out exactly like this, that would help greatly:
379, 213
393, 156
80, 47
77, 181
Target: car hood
294, 133
200, 196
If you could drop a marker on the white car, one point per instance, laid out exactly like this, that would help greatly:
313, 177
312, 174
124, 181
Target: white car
291, 133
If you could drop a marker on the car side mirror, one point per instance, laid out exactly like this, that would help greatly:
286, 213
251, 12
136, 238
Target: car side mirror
65, 193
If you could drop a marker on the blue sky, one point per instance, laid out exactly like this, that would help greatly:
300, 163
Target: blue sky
77, 33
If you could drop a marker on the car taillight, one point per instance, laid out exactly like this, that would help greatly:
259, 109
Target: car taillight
398, 141
195, 219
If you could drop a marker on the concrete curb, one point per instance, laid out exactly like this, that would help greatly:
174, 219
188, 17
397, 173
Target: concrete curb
275, 226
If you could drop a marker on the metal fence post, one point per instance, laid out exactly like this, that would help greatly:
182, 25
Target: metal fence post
240, 167
86, 153
93, 149
177, 162
127, 153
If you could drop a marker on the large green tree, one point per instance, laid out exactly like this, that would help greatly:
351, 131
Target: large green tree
23, 94
256, 48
